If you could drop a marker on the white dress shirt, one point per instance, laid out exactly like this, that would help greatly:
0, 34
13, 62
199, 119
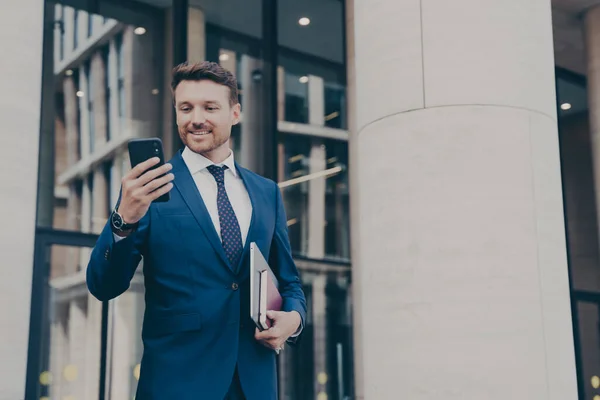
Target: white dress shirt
207, 186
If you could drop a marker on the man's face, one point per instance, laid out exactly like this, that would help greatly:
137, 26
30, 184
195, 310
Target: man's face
204, 116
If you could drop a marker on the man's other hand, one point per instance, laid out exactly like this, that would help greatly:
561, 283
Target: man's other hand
284, 325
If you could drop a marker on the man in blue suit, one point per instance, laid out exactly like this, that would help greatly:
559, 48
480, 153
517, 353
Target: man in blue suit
199, 340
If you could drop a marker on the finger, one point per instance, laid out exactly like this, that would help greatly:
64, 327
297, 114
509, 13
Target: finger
152, 174
274, 314
268, 334
159, 192
156, 183
276, 344
141, 168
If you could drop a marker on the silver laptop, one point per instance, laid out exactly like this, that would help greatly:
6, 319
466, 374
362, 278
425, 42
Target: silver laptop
258, 268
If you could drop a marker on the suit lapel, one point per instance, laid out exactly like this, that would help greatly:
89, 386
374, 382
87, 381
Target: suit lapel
189, 191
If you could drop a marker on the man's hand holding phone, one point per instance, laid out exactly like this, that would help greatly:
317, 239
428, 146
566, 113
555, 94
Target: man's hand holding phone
141, 186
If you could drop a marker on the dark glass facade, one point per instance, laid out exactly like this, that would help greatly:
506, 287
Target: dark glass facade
110, 64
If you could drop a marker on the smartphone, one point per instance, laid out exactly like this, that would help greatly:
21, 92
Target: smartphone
141, 150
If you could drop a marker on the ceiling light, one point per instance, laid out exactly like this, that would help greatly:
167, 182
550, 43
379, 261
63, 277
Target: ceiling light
79, 93
140, 30
565, 106
154, 91
224, 57
69, 72
303, 79
304, 21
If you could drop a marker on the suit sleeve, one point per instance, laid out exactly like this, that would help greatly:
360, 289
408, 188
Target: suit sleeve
280, 256
113, 263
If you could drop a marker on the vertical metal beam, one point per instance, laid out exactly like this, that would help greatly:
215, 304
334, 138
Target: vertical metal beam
269, 52
179, 28
574, 301
103, 352
45, 185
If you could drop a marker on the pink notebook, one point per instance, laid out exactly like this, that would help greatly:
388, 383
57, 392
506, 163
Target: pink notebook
264, 289
270, 299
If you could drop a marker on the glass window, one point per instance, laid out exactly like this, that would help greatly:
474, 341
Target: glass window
117, 70
296, 97
313, 177
127, 57
314, 69
314, 182
71, 330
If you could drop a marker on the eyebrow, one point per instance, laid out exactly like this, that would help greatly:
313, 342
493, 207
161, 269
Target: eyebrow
216, 102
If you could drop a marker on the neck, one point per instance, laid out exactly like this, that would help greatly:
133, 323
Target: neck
218, 155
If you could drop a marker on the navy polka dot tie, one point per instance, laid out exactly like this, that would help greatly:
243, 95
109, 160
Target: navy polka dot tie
231, 235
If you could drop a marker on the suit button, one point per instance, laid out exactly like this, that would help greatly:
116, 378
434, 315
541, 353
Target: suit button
234, 286
106, 254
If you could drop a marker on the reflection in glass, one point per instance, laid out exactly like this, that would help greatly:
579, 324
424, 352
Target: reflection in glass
335, 105
296, 98
70, 349
589, 336
313, 178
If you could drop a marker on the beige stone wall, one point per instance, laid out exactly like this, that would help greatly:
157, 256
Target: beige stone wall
461, 261
20, 83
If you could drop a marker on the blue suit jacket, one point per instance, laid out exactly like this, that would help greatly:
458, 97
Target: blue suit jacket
196, 322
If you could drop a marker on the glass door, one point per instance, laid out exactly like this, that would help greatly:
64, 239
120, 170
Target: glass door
67, 343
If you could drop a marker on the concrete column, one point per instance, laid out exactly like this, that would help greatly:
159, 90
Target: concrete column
353, 162
99, 92
316, 202
84, 115
91, 335
74, 372
127, 313
592, 38
319, 317
71, 119
114, 90
461, 268
168, 111
100, 203
316, 101
128, 126
196, 43
280, 94
251, 137
20, 84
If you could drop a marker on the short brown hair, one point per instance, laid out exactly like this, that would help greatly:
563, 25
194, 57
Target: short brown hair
206, 70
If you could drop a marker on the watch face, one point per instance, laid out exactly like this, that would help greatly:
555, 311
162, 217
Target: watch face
117, 221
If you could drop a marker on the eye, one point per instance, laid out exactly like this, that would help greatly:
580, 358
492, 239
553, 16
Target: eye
185, 108
211, 108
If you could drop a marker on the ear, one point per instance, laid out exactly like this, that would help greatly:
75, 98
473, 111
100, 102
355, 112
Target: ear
236, 111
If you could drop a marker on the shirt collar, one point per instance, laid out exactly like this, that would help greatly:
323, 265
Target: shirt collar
197, 162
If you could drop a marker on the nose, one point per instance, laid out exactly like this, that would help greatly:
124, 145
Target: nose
198, 116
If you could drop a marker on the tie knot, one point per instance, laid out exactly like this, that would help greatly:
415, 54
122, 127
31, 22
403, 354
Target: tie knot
217, 172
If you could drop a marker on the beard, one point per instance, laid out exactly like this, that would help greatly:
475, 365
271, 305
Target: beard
203, 144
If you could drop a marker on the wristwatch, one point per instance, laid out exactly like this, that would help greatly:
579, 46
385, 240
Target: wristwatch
118, 225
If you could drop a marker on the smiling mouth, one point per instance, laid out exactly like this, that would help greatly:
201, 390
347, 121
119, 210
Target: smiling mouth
200, 133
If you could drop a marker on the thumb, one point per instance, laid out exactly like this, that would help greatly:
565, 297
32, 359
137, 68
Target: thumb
273, 314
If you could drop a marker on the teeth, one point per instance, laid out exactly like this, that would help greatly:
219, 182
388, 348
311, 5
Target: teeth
200, 132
